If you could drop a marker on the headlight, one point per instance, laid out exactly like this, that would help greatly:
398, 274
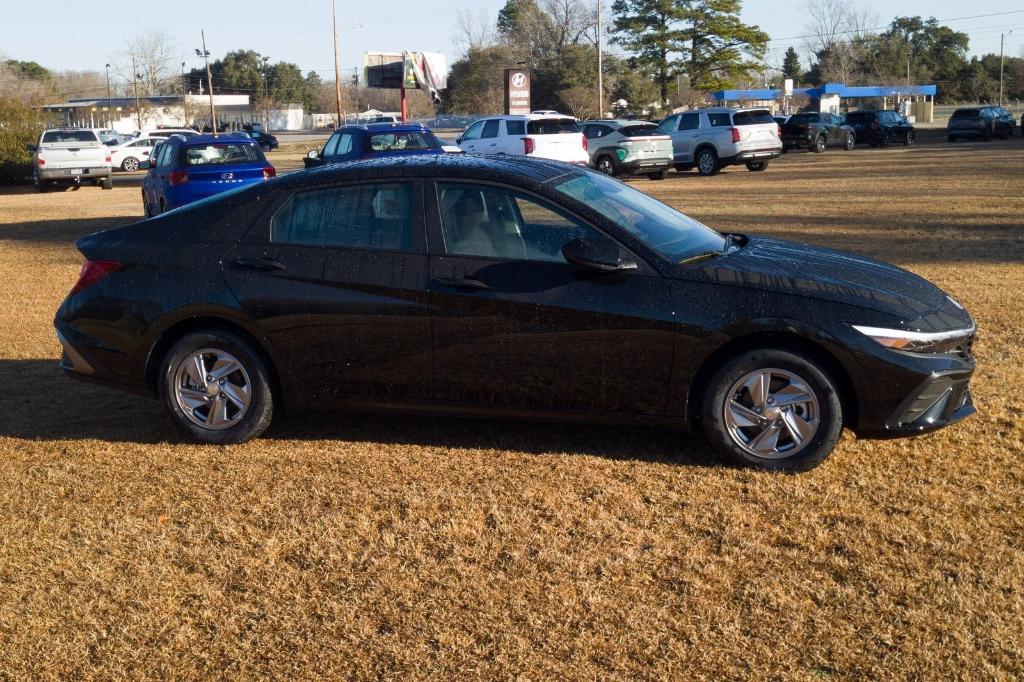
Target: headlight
917, 342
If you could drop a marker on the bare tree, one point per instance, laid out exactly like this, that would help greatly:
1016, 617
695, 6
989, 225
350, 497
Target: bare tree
572, 21
473, 30
837, 37
151, 57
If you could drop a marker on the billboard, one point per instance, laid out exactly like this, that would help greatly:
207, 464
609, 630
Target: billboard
409, 69
517, 91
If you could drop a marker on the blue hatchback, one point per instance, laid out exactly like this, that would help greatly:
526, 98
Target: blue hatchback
184, 170
352, 142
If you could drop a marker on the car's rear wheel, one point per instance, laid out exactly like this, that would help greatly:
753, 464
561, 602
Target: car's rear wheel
217, 388
851, 142
908, 138
265, 147
707, 162
819, 144
757, 166
107, 182
773, 409
606, 165
130, 165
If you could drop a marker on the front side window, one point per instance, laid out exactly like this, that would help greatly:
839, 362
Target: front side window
332, 144
373, 216
669, 124
689, 122
473, 132
490, 129
491, 222
662, 228
220, 154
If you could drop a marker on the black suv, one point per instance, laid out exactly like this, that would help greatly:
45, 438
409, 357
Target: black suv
880, 128
979, 122
816, 131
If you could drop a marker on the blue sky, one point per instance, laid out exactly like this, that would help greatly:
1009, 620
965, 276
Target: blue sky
86, 36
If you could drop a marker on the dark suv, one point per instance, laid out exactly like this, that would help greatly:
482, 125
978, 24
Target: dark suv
979, 122
816, 131
880, 128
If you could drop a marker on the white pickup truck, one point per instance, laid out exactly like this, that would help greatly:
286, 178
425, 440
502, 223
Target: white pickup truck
70, 156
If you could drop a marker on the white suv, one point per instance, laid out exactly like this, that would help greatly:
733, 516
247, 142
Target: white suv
545, 136
710, 139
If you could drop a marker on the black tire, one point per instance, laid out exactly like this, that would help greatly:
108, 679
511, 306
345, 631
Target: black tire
819, 144
107, 183
254, 420
886, 140
707, 162
851, 142
820, 442
265, 148
682, 168
660, 175
606, 165
757, 166
41, 185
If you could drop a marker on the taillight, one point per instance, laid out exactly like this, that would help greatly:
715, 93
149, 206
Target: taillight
93, 271
177, 178
108, 158
42, 161
269, 172
528, 146
586, 147
778, 131
735, 134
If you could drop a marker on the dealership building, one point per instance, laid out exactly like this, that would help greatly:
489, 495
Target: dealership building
917, 101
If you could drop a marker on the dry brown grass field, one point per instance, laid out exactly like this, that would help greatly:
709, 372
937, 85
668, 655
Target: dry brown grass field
397, 547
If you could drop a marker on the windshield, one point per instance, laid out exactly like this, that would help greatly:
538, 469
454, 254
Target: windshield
413, 141
665, 230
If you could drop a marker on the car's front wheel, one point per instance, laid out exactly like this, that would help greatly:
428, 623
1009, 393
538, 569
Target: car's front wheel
818, 147
773, 409
606, 165
707, 162
217, 388
851, 142
908, 139
130, 164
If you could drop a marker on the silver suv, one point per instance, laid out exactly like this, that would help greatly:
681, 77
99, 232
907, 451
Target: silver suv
710, 139
627, 146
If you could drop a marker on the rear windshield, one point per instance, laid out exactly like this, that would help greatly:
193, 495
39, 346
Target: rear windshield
56, 136
551, 126
803, 118
220, 154
966, 113
414, 141
640, 130
750, 118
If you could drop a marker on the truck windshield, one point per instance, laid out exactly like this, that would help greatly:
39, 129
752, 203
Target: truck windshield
57, 136
665, 230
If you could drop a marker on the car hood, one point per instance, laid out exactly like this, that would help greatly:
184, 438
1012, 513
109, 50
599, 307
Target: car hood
805, 270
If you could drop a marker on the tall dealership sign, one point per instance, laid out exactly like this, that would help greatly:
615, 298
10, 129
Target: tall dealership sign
406, 71
517, 91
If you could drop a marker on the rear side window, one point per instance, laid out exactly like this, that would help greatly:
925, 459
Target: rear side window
414, 141
374, 216
641, 130
57, 136
515, 127
719, 120
552, 126
490, 129
220, 154
752, 118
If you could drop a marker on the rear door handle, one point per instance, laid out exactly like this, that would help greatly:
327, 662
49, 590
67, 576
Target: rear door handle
264, 264
461, 283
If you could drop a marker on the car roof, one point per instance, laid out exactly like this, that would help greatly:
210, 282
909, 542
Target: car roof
524, 117
513, 169
385, 127
620, 122
206, 138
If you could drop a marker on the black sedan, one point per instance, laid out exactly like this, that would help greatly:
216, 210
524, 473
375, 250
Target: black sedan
816, 131
509, 286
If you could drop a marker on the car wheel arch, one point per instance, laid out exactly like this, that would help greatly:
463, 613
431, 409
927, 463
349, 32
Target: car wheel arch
776, 340
210, 323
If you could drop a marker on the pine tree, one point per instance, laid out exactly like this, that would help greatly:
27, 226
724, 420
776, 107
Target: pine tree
650, 30
791, 65
721, 48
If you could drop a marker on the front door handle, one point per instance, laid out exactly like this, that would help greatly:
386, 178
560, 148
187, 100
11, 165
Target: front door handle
264, 263
461, 283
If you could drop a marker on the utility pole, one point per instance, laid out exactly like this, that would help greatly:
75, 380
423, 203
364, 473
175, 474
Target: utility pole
184, 97
135, 81
1002, 37
600, 66
205, 54
337, 64
108, 95
266, 96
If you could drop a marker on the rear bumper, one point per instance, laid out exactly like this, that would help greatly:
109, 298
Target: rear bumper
65, 174
645, 165
755, 155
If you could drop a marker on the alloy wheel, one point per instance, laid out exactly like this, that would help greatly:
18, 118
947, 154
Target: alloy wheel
851, 142
212, 389
604, 164
706, 163
819, 144
130, 164
771, 413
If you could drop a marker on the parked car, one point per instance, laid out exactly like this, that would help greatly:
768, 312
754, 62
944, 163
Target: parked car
628, 147
187, 169
66, 156
816, 131
979, 122
781, 120
881, 128
711, 139
134, 154
266, 141
167, 132
541, 136
509, 286
362, 141
1007, 123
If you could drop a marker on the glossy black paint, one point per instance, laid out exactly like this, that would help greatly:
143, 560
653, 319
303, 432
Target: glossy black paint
428, 330
802, 130
880, 127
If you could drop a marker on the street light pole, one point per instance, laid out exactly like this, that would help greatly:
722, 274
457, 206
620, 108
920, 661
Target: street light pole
1002, 37
184, 97
108, 94
266, 97
337, 65
205, 54
135, 81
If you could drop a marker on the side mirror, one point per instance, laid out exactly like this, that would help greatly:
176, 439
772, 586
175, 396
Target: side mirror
458, 141
312, 154
601, 255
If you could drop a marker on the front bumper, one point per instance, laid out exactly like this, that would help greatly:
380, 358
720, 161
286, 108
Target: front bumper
942, 399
